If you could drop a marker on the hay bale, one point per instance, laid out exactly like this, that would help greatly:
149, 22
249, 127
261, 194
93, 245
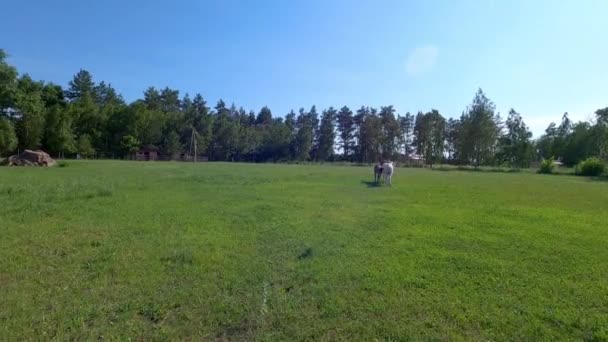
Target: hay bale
29, 158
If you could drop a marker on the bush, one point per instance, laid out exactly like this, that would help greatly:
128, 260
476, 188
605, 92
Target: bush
547, 166
590, 167
63, 164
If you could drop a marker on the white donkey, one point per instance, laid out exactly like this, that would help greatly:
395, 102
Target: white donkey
387, 172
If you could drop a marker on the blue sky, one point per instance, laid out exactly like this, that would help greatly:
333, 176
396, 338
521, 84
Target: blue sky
540, 57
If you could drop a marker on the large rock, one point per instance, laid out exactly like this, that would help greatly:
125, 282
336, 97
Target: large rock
29, 158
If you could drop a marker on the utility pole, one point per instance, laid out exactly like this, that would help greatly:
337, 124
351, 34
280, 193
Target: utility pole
193, 144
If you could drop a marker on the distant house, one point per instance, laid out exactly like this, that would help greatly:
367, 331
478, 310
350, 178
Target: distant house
416, 157
151, 152
412, 160
189, 157
148, 153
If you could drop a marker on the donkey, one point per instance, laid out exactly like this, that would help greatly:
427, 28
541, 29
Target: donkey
387, 172
377, 172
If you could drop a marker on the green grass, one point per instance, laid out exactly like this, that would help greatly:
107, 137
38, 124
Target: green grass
159, 251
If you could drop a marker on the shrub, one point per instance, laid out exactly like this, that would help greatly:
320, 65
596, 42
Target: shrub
63, 164
547, 166
590, 167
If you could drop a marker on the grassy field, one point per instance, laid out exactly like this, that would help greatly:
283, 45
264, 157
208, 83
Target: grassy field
157, 251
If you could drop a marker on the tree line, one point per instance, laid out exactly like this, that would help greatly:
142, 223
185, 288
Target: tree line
92, 120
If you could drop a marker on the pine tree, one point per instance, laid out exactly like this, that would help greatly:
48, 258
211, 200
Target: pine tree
434, 137
327, 135
81, 84
369, 135
406, 127
314, 122
420, 132
516, 147
225, 134
451, 139
304, 136
105, 95
430, 132
478, 131
264, 117
196, 115
389, 135
346, 128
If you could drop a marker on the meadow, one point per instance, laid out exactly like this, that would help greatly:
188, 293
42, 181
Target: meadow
219, 251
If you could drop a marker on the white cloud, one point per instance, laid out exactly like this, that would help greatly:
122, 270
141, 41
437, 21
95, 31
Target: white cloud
422, 60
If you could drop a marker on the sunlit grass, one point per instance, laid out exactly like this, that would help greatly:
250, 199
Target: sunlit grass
284, 252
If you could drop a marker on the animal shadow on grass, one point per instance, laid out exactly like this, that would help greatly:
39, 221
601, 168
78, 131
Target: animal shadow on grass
307, 253
371, 184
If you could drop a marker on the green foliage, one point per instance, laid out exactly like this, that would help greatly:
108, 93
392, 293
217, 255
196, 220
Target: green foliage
85, 148
264, 117
579, 144
327, 134
44, 116
515, 145
346, 128
225, 134
130, 144
429, 135
452, 140
547, 166
197, 116
544, 144
574, 142
304, 136
8, 138
590, 167
87, 118
389, 133
82, 84
406, 127
369, 135
272, 141
600, 133
8, 83
148, 124
106, 96
58, 135
478, 131
313, 117
31, 113
602, 115
172, 146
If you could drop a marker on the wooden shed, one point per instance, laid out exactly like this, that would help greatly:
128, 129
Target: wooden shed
148, 153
